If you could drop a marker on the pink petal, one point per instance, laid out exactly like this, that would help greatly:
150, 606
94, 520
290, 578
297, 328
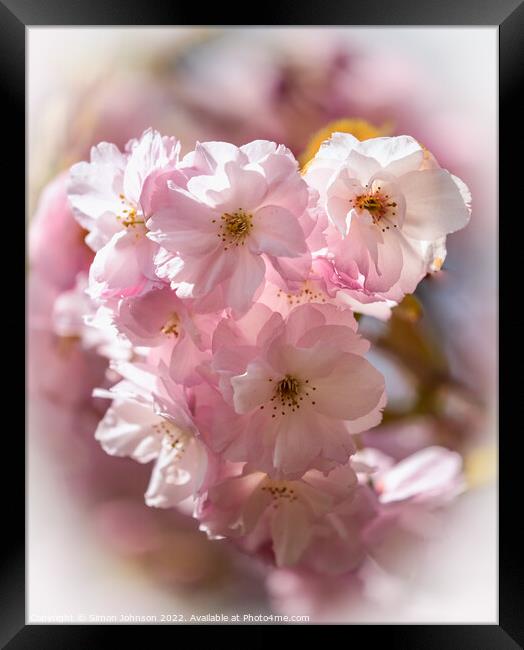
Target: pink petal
186, 226
149, 153
304, 363
350, 391
209, 155
117, 270
341, 336
301, 319
291, 533
141, 319
389, 262
277, 231
207, 272
430, 471
298, 441
185, 359
231, 188
340, 194
247, 275
253, 388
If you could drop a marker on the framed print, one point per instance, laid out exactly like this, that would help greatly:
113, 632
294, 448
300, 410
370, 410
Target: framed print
262, 277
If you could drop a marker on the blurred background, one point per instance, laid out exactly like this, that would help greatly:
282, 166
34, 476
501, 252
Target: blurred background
93, 547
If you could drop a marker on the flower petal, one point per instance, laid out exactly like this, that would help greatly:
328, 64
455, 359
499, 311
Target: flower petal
291, 533
429, 472
127, 430
388, 150
149, 153
118, 267
186, 226
434, 204
174, 474
298, 441
350, 391
277, 231
246, 276
253, 388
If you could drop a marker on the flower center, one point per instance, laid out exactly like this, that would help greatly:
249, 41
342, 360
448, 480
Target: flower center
172, 436
171, 326
235, 227
377, 204
290, 391
130, 216
279, 490
310, 292
371, 203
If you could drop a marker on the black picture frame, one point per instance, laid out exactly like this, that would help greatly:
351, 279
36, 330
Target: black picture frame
15, 17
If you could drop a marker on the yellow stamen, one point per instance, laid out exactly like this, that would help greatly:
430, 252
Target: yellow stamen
171, 325
235, 227
279, 490
172, 436
129, 217
377, 205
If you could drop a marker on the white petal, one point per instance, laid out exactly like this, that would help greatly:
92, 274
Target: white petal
151, 152
388, 150
253, 388
127, 430
434, 204
174, 475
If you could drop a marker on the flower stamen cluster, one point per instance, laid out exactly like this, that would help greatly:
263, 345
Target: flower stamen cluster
129, 217
235, 228
171, 326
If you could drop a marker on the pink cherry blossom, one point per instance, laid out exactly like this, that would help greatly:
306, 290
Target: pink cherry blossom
390, 207
108, 199
295, 389
75, 315
258, 510
62, 368
411, 491
390, 497
347, 291
149, 419
323, 285
339, 544
244, 212
159, 319
432, 475
57, 251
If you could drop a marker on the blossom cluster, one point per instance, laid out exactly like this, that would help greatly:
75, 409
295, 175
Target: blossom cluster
224, 289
